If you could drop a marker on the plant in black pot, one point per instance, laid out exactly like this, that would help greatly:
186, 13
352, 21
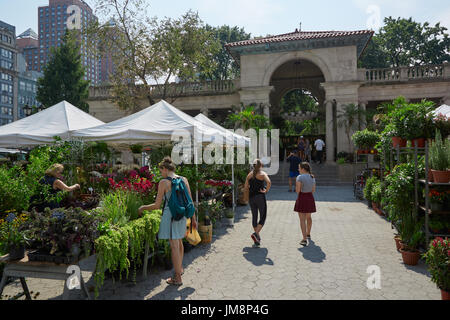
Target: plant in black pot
12, 237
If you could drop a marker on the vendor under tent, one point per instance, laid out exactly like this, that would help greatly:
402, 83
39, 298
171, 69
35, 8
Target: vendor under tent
40, 128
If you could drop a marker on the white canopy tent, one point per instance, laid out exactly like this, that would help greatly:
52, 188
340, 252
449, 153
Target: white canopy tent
60, 120
156, 123
236, 138
444, 110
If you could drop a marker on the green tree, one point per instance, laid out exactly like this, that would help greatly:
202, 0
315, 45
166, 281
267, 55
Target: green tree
246, 119
148, 51
226, 67
350, 118
64, 76
298, 100
404, 42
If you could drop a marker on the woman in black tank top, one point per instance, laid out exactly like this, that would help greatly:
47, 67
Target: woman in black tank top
258, 184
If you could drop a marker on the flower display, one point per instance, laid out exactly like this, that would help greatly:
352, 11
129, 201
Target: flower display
215, 183
437, 258
436, 196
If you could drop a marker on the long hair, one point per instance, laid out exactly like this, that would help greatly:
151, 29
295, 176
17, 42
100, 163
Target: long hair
167, 163
307, 167
257, 165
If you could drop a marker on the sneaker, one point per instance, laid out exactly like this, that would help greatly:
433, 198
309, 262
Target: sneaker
255, 238
303, 242
258, 237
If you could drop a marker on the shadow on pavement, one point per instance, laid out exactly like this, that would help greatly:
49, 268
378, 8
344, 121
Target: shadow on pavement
312, 252
173, 292
257, 256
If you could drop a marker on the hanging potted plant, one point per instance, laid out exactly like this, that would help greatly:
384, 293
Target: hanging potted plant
440, 159
136, 148
438, 260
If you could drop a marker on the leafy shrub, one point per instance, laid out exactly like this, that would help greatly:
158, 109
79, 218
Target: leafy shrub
440, 153
370, 183
365, 139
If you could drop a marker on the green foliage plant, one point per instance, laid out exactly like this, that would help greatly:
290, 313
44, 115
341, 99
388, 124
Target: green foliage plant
440, 153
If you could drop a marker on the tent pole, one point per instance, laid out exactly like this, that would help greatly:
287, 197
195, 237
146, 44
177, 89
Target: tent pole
232, 186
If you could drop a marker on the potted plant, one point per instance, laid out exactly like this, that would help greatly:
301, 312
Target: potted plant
136, 148
229, 217
376, 196
438, 260
436, 226
204, 222
411, 240
368, 189
436, 200
12, 236
440, 159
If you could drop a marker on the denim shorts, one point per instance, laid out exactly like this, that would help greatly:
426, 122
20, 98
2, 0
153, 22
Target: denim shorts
293, 174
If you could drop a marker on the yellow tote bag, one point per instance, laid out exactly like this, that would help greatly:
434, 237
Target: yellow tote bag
192, 235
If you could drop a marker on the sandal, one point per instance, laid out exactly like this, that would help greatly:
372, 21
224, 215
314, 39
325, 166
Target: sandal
172, 281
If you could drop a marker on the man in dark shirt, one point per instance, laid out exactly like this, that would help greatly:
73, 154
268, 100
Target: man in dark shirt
294, 161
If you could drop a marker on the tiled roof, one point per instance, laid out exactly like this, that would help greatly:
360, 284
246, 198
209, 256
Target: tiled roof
299, 35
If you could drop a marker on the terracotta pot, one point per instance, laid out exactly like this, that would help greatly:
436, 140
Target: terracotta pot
397, 240
430, 176
374, 206
402, 244
445, 295
397, 141
410, 258
420, 142
441, 176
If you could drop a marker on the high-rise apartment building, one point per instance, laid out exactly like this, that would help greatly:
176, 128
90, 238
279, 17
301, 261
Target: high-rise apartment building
8, 73
54, 19
28, 45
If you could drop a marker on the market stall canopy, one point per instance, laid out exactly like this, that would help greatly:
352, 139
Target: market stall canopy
12, 151
444, 110
156, 123
40, 128
236, 138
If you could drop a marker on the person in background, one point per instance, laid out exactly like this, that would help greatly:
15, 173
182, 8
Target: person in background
301, 147
294, 160
53, 178
307, 151
305, 204
173, 230
255, 182
319, 144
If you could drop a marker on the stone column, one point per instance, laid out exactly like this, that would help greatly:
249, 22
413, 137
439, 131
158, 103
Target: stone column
329, 121
257, 95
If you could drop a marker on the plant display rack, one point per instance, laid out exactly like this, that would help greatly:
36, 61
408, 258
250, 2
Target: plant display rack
430, 185
395, 154
395, 158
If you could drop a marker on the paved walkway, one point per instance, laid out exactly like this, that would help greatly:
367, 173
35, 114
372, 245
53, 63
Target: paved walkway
346, 239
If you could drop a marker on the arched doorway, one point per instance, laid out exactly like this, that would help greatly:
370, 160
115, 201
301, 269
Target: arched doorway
297, 102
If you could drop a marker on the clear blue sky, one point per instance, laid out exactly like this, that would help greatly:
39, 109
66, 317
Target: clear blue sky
262, 17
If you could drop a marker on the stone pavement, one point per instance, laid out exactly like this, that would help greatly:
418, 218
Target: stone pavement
346, 239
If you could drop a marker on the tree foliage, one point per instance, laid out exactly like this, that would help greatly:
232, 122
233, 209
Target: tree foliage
404, 42
226, 67
64, 76
148, 51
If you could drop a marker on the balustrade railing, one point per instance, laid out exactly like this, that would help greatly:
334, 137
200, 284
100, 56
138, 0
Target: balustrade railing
425, 72
216, 87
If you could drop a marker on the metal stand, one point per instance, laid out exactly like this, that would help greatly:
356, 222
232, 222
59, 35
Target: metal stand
42, 270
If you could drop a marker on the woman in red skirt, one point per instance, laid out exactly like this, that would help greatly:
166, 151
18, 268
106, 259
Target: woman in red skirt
305, 186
